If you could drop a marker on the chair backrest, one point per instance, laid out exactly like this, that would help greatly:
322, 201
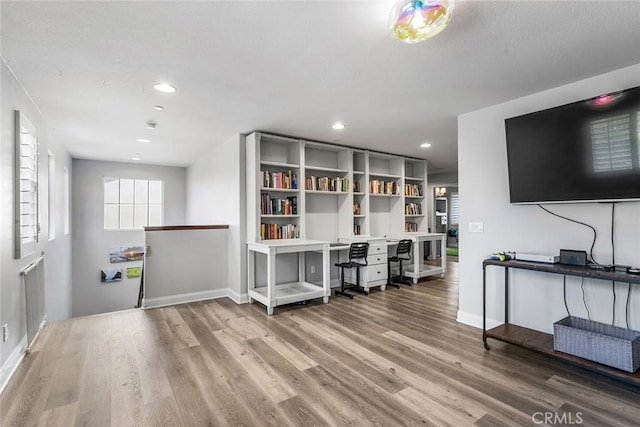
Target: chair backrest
359, 251
404, 249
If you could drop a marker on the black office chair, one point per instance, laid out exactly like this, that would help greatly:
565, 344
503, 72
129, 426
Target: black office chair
403, 253
357, 258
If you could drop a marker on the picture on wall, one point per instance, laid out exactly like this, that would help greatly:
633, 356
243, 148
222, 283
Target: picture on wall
126, 253
134, 272
113, 275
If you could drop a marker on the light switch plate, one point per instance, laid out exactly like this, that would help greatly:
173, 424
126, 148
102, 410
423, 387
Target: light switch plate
476, 227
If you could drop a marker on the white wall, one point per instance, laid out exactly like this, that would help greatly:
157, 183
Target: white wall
537, 299
216, 195
91, 243
185, 265
58, 256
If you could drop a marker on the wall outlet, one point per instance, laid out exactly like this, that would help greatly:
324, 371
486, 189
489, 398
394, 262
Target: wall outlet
476, 227
5, 332
313, 269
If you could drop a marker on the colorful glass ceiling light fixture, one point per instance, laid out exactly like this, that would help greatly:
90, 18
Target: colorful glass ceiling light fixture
412, 21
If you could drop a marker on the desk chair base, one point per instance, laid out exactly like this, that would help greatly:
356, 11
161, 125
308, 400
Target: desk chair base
400, 279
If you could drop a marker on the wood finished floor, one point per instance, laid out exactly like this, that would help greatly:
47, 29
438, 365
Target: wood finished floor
392, 358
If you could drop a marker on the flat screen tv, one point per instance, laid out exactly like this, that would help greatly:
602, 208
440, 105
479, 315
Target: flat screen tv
585, 151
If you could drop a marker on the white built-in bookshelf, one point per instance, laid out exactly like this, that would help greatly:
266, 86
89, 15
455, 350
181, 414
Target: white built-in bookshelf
311, 190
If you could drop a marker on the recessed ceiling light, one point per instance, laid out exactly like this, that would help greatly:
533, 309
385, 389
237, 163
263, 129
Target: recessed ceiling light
151, 124
164, 87
142, 140
337, 126
158, 107
136, 156
425, 145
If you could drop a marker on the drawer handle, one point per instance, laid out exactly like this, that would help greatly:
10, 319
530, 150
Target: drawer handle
377, 249
378, 259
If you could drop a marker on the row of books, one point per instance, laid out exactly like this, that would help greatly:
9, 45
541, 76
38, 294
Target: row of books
413, 190
287, 206
383, 187
275, 231
356, 209
285, 180
325, 183
413, 209
410, 227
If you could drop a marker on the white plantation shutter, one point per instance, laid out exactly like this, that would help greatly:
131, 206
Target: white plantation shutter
455, 209
611, 144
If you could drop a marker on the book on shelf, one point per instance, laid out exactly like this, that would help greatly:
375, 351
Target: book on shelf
383, 187
356, 208
413, 209
413, 190
325, 183
275, 231
281, 180
356, 187
356, 229
410, 227
282, 206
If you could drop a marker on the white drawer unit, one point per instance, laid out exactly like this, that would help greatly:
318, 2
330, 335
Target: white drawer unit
375, 273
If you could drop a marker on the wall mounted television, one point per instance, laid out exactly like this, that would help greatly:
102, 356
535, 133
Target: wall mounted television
584, 151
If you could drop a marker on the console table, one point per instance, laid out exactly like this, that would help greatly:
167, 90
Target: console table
274, 294
540, 341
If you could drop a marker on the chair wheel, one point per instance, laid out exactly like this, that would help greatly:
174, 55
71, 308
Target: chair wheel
366, 293
350, 296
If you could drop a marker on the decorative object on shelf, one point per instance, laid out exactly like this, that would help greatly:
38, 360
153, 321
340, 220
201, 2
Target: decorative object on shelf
412, 21
441, 191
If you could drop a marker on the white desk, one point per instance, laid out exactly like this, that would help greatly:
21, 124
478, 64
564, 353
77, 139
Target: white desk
420, 269
274, 294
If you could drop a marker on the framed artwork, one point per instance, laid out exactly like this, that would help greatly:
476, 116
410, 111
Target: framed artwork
134, 272
111, 275
126, 253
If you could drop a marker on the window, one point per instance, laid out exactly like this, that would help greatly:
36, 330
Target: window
611, 142
65, 196
51, 208
26, 187
455, 209
132, 203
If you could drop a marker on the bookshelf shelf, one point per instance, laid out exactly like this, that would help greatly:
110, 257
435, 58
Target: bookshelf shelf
384, 175
325, 169
279, 164
316, 168
280, 190
383, 195
326, 192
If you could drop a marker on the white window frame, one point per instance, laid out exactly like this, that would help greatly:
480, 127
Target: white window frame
51, 205
26, 203
455, 208
136, 203
66, 209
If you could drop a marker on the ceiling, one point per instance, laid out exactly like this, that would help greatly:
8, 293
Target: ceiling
294, 68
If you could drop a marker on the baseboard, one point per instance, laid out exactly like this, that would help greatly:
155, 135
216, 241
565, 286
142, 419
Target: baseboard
12, 364
476, 321
238, 298
184, 298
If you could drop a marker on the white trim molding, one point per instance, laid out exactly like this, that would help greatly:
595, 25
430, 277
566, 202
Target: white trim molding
13, 362
238, 298
184, 298
475, 320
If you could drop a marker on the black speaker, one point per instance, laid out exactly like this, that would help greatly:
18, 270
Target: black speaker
571, 257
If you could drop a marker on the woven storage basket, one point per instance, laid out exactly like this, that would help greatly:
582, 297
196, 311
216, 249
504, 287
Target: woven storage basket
598, 342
